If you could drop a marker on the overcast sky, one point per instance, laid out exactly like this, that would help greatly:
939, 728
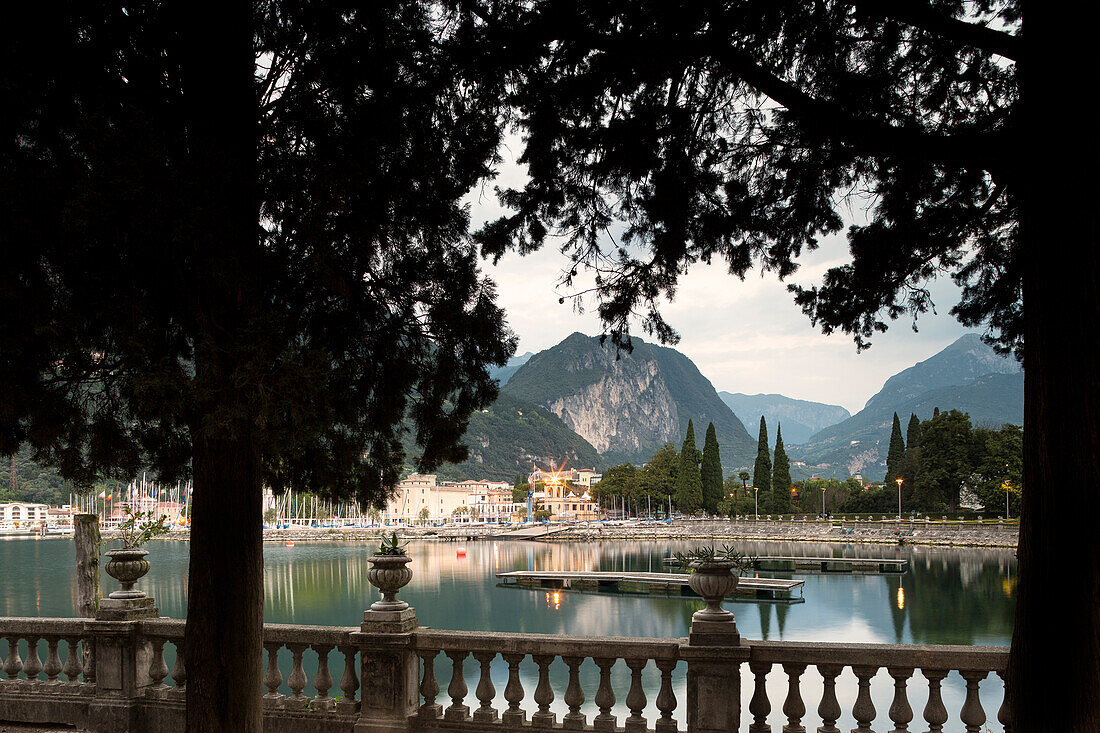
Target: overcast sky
744, 336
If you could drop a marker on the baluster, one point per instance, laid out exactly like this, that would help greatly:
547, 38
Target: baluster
513, 693
53, 662
973, 716
935, 714
457, 689
759, 705
485, 691
429, 688
544, 694
272, 676
900, 710
179, 670
1004, 715
158, 670
297, 679
322, 681
72, 667
574, 695
864, 709
13, 664
349, 683
666, 698
829, 709
89, 660
793, 707
605, 697
635, 697
33, 665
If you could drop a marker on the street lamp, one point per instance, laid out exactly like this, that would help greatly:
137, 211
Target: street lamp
899, 498
756, 500
823, 512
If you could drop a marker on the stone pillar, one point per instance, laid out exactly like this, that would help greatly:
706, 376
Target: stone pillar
390, 671
122, 659
714, 655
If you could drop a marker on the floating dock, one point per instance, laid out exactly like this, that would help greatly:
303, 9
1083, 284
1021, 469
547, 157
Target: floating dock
825, 565
671, 583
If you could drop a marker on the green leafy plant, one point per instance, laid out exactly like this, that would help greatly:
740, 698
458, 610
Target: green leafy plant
710, 553
391, 546
139, 527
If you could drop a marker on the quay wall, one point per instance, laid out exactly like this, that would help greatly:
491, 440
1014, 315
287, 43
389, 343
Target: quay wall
874, 532
959, 534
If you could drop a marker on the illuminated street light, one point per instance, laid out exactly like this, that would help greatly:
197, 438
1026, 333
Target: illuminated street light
899, 498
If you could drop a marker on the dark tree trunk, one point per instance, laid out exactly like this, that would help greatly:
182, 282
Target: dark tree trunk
225, 582
225, 589
1054, 672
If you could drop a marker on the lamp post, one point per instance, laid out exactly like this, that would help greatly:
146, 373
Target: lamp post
756, 501
899, 498
1006, 492
824, 513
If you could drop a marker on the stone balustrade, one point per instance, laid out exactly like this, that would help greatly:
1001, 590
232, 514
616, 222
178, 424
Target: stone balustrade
131, 675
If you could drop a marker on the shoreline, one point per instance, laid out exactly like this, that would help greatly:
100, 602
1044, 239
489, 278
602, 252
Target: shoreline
853, 532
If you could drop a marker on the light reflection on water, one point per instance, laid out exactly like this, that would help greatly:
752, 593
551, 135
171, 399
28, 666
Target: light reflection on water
950, 596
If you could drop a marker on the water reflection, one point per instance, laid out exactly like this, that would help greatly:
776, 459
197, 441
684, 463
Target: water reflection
949, 596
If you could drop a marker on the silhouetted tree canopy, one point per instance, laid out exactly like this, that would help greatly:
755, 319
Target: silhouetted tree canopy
371, 310
740, 131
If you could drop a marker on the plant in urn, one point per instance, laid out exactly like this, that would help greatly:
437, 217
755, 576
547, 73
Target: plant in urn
389, 574
713, 579
128, 564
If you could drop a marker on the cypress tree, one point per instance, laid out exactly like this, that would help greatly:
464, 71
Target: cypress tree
781, 477
762, 470
689, 487
896, 455
710, 473
912, 433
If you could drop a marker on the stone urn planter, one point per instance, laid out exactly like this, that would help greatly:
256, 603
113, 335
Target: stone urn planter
127, 566
389, 574
713, 580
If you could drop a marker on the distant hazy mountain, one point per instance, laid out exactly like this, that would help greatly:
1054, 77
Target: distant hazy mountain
511, 435
800, 418
967, 376
629, 405
504, 373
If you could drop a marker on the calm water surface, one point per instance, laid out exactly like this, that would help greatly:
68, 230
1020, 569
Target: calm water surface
949, 596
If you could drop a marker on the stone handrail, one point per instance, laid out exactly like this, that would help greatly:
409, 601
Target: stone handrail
388, 679
974, 663
543, 649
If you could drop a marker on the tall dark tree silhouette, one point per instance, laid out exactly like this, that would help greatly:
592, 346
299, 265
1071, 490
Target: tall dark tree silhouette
762, 467
741, 130
896, 454
781, 477
689, 487
710, 472
234, 245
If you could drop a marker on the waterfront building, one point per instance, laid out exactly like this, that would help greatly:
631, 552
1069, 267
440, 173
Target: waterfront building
23, 513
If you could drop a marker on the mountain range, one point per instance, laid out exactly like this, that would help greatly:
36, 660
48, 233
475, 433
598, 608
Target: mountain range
967, 376
504, 373
584, 402
627, 405
800, 418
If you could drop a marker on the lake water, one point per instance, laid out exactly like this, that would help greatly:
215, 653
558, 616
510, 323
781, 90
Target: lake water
949, 596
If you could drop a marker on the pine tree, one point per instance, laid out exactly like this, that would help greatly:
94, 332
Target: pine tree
710, 473
781, 477
762, 470
689, 487
896, 455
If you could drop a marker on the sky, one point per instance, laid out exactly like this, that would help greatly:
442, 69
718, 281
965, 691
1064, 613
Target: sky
745, 336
